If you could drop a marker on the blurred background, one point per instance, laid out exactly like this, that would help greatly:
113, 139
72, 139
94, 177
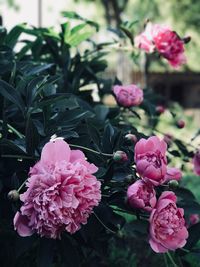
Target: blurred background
183, 16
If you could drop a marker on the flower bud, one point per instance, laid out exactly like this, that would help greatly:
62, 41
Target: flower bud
13, 195
186, 39
131, 137
173, 184
180, 124
120, 156
160, 110
168, 138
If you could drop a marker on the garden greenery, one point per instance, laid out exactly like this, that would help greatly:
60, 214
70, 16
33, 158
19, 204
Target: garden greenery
84, 156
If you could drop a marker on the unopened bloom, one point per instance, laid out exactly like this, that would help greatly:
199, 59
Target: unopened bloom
196, 163
120, 156
141, 195
167, 225
173, 174
194, 218
180, 124
150, 159
128, 95
61, 193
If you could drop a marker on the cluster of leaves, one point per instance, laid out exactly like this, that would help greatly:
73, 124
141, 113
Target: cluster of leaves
45, 89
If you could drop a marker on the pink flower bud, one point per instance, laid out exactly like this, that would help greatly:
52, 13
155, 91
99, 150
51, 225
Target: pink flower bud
160, 110
120, 156
194, 218
180, 124
131, 137
141, 195
196, 162
168, 138
128, 95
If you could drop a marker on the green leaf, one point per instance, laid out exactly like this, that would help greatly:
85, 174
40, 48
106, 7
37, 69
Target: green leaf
12, 95
32, 137
194, 236
13, 36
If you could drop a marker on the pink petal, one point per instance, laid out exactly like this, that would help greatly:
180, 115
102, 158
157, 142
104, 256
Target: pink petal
56, 150
21, 225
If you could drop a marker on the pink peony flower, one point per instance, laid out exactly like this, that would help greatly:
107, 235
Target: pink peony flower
163, 40
144, 40
150, 159
62, 192
194, 218
128, 95
167, 225
141, 195
196, 162
173, 174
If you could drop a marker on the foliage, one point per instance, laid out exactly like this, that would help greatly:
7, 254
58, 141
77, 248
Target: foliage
46, 88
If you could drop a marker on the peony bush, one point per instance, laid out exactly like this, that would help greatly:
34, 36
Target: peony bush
81, 181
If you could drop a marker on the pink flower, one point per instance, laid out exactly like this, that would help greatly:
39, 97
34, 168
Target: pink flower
144, 40
194, 218
61, 194
128, 95
163, 40
173, 174
196, 162
141, 195
150, 159
167, 225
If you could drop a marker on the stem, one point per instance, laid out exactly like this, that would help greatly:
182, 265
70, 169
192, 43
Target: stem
106, 227
171, 259
165, 260
17, 156
14, 130
91, 150
21, 186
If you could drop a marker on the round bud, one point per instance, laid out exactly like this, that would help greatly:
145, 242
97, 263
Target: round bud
186, 39
160, 110
131, 137
120, 156
180, 124
173, 184
168, 138
13, 195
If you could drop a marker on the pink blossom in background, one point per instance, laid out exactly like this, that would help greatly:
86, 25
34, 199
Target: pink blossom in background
150, 159
196, 163
144, 40
141, 195
163, 40
61, 193
194, 218
128, 95
168, 138
173, 174
167, 225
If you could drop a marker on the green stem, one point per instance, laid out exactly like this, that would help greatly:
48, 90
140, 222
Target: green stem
171, 259
106, 227
165, 260
17, 156
22, 185
91, 150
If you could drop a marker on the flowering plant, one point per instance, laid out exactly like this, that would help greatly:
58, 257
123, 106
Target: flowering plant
78, 178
